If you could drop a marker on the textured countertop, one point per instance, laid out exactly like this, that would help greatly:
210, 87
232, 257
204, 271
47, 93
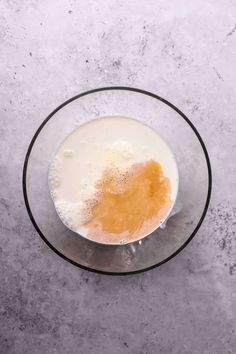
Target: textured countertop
185, 52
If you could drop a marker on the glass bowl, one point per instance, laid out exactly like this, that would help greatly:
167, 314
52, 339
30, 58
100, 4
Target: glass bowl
194, 180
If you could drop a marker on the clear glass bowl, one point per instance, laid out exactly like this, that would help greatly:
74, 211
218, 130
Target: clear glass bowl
194, 180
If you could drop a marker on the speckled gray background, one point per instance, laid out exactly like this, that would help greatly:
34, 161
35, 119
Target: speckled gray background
184, 51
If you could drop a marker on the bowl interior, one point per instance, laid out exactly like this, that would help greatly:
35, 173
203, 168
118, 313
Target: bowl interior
85, 148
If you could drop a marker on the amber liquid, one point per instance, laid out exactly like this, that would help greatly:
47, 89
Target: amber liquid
128, 203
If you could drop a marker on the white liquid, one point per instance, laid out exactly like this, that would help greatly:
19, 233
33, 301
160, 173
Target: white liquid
92, 147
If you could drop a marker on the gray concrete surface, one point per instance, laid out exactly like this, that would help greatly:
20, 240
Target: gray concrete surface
185, 52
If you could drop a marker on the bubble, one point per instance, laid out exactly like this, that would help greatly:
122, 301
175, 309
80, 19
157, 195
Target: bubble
54, 194
54, 181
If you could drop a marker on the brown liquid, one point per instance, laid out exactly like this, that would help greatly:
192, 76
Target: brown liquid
130, 205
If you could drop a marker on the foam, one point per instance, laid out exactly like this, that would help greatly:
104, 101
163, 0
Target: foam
54, 180
70, 213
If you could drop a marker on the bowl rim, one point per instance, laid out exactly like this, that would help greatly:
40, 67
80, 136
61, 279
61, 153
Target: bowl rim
118, 88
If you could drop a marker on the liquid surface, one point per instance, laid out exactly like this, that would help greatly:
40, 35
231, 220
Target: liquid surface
113, 180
